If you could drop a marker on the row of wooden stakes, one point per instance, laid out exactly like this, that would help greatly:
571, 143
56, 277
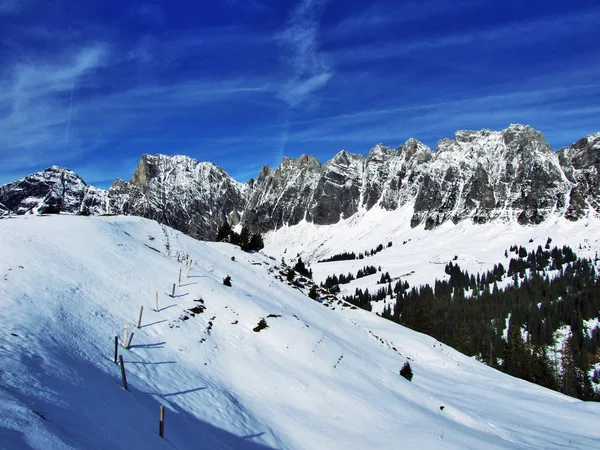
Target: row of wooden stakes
127, 344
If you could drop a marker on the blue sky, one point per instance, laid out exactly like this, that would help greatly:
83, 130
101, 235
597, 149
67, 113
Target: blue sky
94, 85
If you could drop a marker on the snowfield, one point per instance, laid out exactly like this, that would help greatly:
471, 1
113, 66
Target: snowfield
317, 378
418, 255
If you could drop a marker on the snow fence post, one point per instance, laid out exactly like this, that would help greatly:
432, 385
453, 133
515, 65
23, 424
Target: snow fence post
161, 422
123, 376
125, 335
173, 294
116, 348
179, 281
189, 267
129, 341
139, 323
157, 310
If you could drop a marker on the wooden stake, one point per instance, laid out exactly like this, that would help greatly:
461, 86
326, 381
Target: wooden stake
116, 348
125, 335
179, 282
189, 268
129, 341
161, 422
173, 294
157, 310
123, 376
139, 324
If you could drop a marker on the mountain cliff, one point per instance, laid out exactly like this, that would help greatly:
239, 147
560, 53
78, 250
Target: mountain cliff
478, 175
54, 190
195, 197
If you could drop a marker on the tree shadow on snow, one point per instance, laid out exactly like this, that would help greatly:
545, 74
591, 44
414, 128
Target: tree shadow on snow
188, 284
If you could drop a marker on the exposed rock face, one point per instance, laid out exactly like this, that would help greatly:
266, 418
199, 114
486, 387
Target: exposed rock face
181, 192
479, 175
581, 163
283, 196
55, 190
485, 175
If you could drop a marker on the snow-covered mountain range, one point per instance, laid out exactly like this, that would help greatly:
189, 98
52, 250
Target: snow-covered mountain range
481, 176
320, 375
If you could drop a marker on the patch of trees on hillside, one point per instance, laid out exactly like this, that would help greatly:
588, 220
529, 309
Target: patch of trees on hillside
349, 256
547, 289
247, 242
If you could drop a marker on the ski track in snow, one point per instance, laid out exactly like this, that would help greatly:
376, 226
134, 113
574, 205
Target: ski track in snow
315, 378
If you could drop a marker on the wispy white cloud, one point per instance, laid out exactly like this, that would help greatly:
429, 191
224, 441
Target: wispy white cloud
35, 81
309, 68
543, 108
36, 98
379, 16
546, 95
523, 33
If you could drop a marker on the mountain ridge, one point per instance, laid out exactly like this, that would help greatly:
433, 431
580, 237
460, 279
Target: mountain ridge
480, 175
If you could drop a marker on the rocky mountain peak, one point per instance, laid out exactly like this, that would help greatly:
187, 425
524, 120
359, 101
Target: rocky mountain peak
520, 137
343, 158
142, 173
415, 149
380, 153
304, 162
479, 175
309, 161
265, 171
54, 190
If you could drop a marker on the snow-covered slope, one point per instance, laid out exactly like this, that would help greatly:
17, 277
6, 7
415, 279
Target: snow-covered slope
417, 255
317, 377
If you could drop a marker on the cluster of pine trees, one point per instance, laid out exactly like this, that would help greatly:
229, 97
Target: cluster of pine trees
363, 299
366, 271
332, 282
247, 242
469, 312
301, 268
349, 256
